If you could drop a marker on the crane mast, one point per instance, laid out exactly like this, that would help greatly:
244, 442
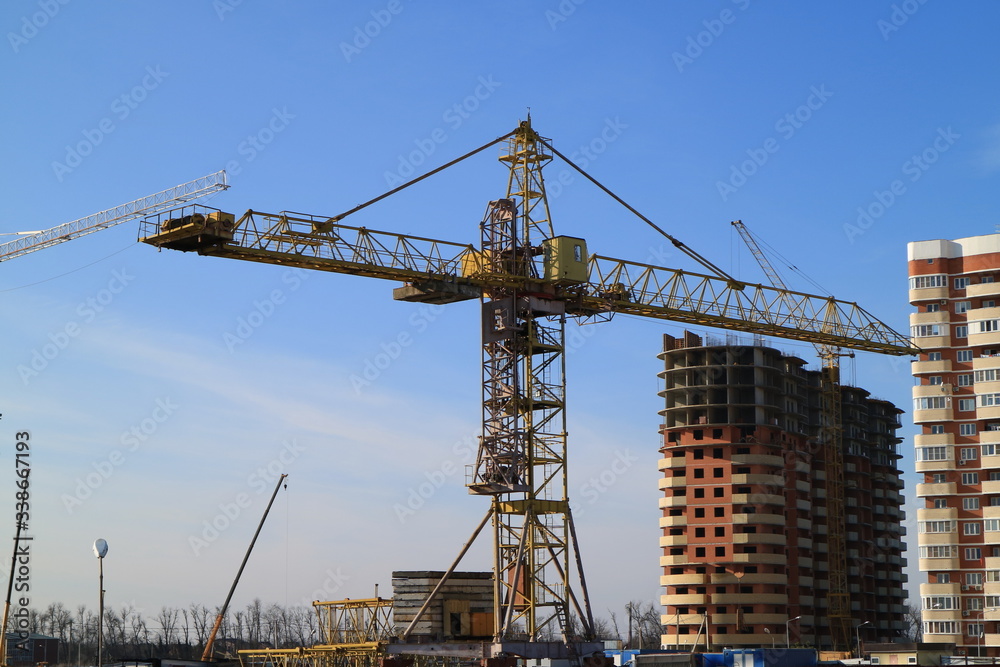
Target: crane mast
522, 456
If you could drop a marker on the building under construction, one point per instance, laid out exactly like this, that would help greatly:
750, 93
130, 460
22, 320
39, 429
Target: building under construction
746, 528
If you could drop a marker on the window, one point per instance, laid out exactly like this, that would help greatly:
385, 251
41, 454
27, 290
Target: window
973, 553
939, 551
720, 511
925, 330
699, 473
986, 326
718, 492
717, 472
967, 429
947, 526
992, 576
940, 503
699, 512
964, 379
970, 478
962, 307
923, 282
939, 453
963, 356
986, 279
699, 493
933, 308
989, 450
699, 552
930, 627
962, 331
972, 528
935, 380
938, 602
987, 375
930, 403
699, 532
975, 629
720, 551
968, 453
991, 526
933, 356
939, 478
970, 503
966, 404
989, 400
943, 577
962, 283
937, 429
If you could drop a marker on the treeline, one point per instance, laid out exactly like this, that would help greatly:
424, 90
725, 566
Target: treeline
181, 633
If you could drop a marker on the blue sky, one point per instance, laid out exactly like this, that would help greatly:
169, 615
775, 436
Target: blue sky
836, 132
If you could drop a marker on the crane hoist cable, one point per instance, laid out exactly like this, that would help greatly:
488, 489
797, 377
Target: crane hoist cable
680, 245
382, 196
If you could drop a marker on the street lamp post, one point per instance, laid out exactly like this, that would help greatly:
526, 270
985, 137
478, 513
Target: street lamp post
857, 634
768, 632
100, 550
788, 634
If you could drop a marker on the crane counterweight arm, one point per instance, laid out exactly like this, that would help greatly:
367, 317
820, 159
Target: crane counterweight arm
454, 271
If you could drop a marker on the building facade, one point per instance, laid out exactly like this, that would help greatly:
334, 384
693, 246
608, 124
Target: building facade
955, 292
744, 516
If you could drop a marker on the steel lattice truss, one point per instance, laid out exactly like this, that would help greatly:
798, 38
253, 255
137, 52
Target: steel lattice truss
146, 206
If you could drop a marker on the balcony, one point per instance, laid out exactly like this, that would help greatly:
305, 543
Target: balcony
940, 317
758, 459
721, 578
926, 439
673, 540
934, 415
983, 290
928, 294
991, 486
683, 580
672, 482
673, 521
758, 538
753, 598
939, 564
938, 514
758, 519
933, 367
940, 489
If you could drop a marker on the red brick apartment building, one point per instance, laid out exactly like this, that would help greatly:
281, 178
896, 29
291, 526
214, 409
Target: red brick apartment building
955, 292
744, 517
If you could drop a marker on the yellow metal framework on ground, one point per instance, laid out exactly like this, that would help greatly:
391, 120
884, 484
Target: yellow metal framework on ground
353, 633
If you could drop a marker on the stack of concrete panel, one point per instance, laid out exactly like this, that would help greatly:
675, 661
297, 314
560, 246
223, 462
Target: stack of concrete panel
463, 608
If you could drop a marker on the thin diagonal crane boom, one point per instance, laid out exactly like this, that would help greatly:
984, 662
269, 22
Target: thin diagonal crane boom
149, 205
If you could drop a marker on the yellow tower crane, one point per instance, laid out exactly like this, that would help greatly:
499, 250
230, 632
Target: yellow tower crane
530, 282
